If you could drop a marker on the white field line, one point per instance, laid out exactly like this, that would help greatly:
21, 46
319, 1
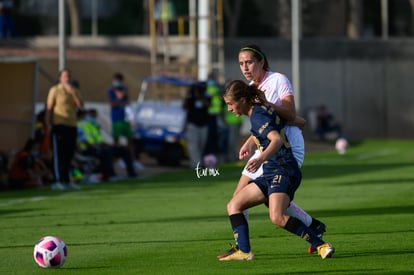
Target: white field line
382, 153
363, 156
22, 201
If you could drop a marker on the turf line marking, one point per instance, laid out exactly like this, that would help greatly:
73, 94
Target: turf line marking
382, 153
22, 201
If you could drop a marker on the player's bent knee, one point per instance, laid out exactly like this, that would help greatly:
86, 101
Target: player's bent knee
277, 220
233, 207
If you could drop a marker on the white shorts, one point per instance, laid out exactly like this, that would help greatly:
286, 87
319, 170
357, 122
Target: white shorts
295, 137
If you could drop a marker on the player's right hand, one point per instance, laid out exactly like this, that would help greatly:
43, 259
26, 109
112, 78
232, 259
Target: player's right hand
245, 152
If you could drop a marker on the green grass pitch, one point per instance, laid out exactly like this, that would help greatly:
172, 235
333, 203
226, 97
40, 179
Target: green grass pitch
176, 223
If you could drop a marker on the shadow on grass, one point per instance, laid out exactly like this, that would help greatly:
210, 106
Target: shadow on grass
407, 180
17, 211
219, 218
129, 242
377, 271
389, 210
90, 268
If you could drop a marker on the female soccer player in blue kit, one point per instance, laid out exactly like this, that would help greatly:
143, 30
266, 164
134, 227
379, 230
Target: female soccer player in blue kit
281, 174
278, 93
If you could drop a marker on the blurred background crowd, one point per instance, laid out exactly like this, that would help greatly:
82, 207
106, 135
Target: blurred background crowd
355, 57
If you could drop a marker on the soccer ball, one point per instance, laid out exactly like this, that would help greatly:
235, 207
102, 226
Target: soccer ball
341, 145
210, 161
50, 252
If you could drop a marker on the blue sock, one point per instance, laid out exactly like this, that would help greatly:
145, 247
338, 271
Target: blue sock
240, 231
298, 228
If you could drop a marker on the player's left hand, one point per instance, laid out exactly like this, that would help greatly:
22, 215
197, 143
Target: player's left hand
253, 164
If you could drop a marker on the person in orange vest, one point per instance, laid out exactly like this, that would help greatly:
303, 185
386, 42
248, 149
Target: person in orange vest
27, 169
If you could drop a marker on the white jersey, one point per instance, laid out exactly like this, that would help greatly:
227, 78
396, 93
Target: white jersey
276, 86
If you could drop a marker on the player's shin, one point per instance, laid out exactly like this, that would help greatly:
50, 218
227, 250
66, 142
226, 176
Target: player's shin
240, 231
298, 228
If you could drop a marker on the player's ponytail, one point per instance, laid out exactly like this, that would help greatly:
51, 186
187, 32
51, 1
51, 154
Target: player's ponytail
238, 89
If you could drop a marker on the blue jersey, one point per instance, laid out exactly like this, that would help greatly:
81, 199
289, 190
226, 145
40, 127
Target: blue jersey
263, 120
118, 112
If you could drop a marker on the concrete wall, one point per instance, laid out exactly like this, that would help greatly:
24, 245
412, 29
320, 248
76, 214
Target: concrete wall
368, 85
18, 78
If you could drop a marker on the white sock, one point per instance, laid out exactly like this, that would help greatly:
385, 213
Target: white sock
297, 212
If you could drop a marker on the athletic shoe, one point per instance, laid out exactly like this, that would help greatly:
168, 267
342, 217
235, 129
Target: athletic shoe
57, 186
115, 178
326, 250
311, 249
121, 164
132, 175
94, 179
319, 231
233, 249
238, 256
138, 165
72, 186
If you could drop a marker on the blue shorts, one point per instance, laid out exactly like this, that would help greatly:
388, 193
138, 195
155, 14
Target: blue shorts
279, 184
